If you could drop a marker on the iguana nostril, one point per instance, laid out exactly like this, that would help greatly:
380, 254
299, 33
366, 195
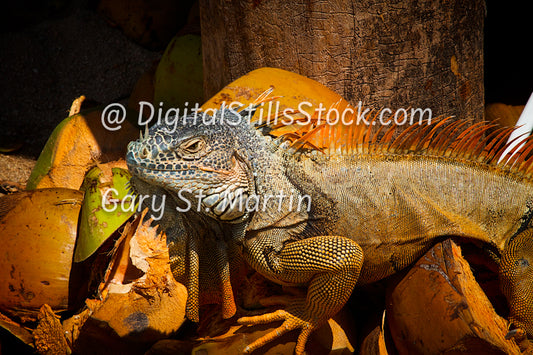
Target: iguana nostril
145, 153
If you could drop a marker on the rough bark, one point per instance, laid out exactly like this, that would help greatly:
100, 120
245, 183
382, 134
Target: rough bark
418, 54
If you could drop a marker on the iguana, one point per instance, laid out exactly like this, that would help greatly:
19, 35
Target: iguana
351, 206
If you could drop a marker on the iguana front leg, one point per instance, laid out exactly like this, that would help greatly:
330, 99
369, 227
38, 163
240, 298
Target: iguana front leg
329, 265
516, 279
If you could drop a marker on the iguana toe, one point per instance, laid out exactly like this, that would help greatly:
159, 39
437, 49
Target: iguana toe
291, 321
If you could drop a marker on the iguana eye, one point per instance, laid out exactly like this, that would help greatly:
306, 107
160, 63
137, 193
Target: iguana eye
193, 146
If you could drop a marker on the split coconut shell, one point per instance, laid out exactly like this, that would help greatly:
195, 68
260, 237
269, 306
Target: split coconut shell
293, 98
76, 145
438, 307
38, 231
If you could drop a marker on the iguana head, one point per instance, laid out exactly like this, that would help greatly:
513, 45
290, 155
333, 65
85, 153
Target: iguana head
199, 159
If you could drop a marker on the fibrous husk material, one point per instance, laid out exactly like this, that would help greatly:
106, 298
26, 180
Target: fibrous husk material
140, 300
438, 307
49, 335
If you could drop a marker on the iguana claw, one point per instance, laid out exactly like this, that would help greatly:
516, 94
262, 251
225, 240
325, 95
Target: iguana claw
291, 322
329, 281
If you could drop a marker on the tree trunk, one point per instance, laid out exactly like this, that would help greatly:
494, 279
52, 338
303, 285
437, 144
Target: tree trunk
404, 54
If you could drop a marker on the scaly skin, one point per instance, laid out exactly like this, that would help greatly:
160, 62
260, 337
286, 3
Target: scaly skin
328, 220
516, 274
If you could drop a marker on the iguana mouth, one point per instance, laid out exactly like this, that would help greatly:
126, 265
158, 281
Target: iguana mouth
138, 166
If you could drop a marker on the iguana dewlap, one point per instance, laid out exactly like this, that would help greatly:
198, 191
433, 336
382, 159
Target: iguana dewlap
350, 206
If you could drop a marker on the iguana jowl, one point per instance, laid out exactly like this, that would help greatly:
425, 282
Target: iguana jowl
369, 205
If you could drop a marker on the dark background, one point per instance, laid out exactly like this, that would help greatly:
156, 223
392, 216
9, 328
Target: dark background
508, 53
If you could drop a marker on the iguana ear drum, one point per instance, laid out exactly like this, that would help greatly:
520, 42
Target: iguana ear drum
516, 279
